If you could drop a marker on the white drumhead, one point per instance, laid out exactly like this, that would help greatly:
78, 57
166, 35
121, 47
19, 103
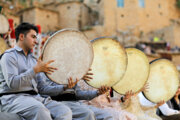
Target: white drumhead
163, 81
4, 24
136, 74
72, 52
109, 64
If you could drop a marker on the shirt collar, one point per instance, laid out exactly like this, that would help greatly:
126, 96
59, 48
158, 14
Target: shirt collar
19, 49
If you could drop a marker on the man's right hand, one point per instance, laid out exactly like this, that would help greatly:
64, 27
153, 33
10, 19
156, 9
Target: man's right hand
44, 66
71, 84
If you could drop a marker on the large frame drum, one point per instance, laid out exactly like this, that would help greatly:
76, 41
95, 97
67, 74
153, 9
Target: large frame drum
163, 81
136, 74
109, 64
72, 52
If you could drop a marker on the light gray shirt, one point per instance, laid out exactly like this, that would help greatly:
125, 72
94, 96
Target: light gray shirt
17, 74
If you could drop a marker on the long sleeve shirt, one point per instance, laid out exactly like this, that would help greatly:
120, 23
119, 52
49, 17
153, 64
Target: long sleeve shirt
78, 92
17, 74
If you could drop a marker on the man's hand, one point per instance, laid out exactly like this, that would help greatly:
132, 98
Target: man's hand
178, 92
44, 66
128, 95
176, 97
87, 76
103, 89
145, 88
71, 84
159, 104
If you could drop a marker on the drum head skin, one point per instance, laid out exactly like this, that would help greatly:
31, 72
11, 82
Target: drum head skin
163, 81
72, 52
136, 74
109, 64
4, 24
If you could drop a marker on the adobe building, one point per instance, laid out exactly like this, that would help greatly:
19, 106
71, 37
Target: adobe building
144, 15
47, 19
72, 14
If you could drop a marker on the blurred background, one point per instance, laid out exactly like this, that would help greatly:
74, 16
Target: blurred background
152, 26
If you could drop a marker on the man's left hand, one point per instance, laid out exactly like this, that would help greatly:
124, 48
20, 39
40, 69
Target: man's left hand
71, 84
103, 89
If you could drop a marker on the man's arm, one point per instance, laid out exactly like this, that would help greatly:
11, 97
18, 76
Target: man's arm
47, 89
10, 72
85, 95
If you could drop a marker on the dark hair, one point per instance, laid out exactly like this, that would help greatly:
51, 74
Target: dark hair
24, 28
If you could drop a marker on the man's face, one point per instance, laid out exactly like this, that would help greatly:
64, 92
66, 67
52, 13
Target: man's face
30, 39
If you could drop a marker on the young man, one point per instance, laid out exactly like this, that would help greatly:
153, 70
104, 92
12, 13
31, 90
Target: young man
23, 79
